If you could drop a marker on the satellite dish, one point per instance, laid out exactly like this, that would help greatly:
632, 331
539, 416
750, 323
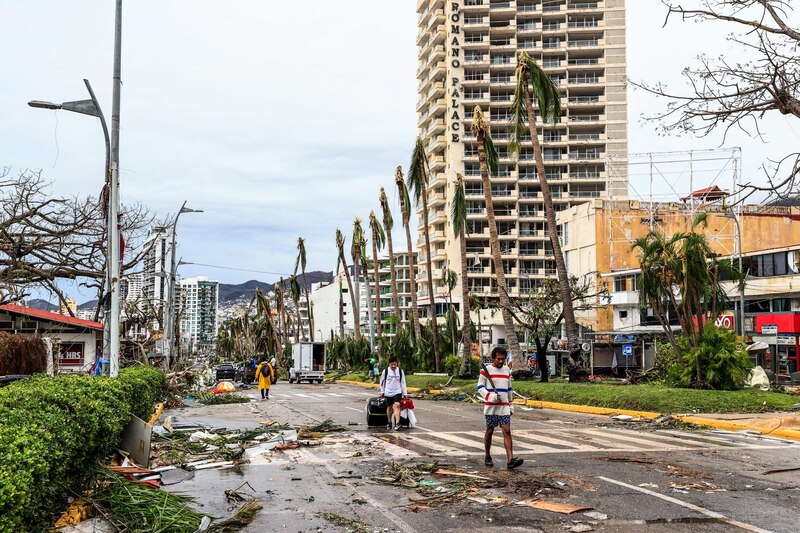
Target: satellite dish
586, 347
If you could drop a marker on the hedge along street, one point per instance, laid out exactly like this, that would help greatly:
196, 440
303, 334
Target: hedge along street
53, 430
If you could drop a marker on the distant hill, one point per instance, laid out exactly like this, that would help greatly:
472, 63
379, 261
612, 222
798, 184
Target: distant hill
230, 292
42, 305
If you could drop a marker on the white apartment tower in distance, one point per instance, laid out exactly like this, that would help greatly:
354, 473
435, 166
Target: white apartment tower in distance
197, 312
467, 57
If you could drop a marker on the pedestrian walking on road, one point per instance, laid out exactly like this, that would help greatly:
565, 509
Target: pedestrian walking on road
393, 388
264, 374
494, 384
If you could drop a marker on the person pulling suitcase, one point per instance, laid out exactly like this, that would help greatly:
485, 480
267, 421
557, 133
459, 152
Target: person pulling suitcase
393, 389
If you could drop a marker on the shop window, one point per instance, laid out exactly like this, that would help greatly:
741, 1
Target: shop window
757, 306
623, 315
780, 305
780, 263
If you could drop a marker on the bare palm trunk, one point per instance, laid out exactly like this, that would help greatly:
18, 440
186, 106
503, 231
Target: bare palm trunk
437, 361
494, 243
393, 274
550, 215
308, 304
357, 319
376, 275
412, 265
299, 325
466, 323
341, 311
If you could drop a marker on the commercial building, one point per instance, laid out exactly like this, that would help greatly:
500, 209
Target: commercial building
77, 341
596, 239
197, 313
467, 57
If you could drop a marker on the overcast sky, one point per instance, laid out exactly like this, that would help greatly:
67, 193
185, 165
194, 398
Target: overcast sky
278, 119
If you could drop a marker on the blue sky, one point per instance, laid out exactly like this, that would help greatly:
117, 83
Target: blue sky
278, 119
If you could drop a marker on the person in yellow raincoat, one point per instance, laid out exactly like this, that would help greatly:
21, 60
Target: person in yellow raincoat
264, 374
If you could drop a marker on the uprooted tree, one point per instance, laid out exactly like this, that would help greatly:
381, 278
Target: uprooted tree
542, 315
45, 238
762, 78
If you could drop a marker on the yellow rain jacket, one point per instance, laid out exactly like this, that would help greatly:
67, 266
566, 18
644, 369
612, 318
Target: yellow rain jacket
264, 374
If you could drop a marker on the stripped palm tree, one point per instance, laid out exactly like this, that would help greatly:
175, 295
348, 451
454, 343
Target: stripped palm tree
357, 254
280, 308
388, 224
378, 240
417, 180
458, 215
534, 84
343, 263
405, 210
341, 311
294, 291
263, 310
301, 262
487, 157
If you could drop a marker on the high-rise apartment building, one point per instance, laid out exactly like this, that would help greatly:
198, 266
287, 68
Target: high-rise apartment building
197, 312
467, 57
157, 264
403, 280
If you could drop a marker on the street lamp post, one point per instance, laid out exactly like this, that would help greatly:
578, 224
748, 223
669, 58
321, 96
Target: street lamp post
92, 108
169, 325
732, 215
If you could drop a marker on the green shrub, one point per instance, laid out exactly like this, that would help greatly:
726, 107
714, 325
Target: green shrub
723, 363
54, 429
452, 365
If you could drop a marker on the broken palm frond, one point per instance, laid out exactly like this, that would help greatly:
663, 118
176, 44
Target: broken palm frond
136, 508
316, 431
242, 518
454, 396
356, 526
406, 476
219, 399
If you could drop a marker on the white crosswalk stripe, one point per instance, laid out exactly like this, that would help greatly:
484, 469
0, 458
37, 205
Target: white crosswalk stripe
531, 442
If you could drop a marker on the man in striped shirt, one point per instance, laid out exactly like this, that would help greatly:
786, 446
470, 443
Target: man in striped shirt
494, 385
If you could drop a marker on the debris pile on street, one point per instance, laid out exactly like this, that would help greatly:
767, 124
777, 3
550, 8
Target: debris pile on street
199, 447
437, 485
317, 431
207, 398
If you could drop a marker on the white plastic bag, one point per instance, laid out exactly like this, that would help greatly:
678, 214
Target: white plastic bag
409, 414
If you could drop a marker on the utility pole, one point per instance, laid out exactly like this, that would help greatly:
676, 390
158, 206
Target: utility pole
113, 211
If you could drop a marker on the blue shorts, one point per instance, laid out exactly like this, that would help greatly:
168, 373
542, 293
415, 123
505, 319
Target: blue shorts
492, 421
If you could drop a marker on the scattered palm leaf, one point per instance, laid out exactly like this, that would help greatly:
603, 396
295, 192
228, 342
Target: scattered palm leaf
241, 519
136, 508
220, 399
353, 525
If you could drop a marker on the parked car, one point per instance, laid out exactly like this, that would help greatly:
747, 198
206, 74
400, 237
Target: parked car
224, 371
244, 373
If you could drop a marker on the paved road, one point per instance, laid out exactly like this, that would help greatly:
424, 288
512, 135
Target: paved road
641, 479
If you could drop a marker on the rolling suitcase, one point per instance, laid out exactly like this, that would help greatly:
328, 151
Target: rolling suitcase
376, 412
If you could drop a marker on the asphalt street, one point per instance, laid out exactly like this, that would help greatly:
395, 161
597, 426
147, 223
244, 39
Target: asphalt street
630, 476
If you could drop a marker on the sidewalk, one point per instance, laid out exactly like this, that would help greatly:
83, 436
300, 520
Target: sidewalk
778, 425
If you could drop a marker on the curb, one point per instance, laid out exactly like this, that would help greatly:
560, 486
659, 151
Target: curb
588, 409
791, 434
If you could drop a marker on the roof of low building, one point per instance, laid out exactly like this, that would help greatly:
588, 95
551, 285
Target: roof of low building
52, 317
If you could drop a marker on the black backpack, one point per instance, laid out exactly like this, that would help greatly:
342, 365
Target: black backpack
386, 375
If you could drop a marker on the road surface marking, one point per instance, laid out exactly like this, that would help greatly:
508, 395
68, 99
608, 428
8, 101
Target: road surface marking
452, 437
352, 408
630, 441
687, 505
425, 442
537, 436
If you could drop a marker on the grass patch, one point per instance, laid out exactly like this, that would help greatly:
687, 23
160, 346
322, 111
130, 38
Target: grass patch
658, 398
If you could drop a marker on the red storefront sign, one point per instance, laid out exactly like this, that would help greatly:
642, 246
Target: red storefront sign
786, 322
70, 353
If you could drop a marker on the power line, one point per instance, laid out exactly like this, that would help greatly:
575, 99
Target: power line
239, 269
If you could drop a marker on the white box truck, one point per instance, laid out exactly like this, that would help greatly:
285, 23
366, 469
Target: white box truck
308, 362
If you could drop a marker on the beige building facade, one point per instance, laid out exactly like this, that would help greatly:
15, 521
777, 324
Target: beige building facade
467, 57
